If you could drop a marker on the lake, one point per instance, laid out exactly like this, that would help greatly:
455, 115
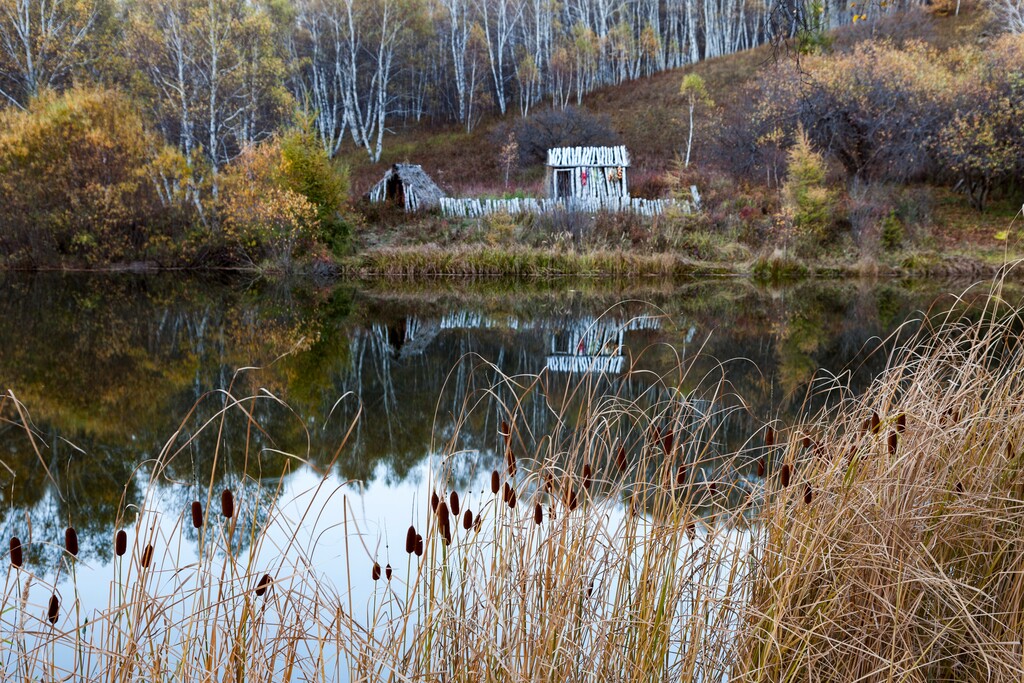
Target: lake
149, 392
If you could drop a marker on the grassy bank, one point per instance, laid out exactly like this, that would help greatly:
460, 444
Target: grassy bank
879, 539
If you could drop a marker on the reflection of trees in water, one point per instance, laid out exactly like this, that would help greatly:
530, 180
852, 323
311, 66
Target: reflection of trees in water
113, 364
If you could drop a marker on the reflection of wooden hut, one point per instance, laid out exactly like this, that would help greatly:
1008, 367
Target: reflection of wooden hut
409, 185
587, 345
587, 172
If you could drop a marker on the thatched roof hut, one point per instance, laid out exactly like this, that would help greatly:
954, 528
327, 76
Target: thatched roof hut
408, 184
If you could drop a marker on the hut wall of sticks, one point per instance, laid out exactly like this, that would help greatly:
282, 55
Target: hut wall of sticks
587, 173
409, 185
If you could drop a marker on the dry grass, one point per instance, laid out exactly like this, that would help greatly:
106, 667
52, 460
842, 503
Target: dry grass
626, 544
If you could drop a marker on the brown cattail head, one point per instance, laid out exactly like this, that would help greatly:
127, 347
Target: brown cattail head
505, 433
806, 441
147, 556
375, 573
453, 503
784, 474
121, 543
510, 458
761, 467
666, 441
875, 422
16, 556
808, 494
538, 513
893, 442
588, 476
681, 475
263, 584
387, 571
495, 481
691, 531
512, 498
434, 500
410, 540
446, 531
442, 511
620, 459
476, 522
419, 545
901, 423
197, 515
71, 540
53, 611
570, 497
506, 493
769, 436
227, 504
467, 520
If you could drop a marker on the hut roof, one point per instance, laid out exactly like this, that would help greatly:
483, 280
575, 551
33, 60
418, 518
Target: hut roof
418, 190
569, 157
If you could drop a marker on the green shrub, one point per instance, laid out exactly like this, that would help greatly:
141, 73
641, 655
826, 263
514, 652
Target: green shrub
892, 232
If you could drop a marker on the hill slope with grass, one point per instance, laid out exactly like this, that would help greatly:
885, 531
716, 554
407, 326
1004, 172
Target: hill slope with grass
917, 218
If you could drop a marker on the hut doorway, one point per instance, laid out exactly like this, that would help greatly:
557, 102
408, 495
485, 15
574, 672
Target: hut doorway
563, 184
395, 190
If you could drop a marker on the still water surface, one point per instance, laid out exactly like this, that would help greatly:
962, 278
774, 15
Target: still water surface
370, 381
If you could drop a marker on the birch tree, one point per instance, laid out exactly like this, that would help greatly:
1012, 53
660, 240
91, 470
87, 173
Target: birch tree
41, 43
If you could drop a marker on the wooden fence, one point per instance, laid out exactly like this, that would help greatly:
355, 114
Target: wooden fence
453, 207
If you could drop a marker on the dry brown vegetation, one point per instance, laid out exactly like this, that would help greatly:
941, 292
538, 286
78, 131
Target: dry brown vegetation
877, 540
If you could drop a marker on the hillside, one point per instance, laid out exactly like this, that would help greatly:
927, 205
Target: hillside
647, 113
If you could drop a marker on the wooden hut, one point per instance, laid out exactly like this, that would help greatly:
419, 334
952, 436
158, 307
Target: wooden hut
409, 185
587, 173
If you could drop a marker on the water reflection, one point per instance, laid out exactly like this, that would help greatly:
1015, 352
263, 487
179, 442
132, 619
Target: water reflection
109, 367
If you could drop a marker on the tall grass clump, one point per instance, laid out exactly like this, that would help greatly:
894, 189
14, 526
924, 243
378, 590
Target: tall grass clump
875, 539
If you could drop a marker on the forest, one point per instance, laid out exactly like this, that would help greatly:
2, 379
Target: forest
220, 132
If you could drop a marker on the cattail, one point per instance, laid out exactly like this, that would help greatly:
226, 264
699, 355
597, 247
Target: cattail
16, 558
875, 422
511, 458
681, 475
808, 494
410, 540
495, 482
446, 531
588, 476
453, 503
806, 442
506, 492
761, 467
866, 424
197, 514
784, 475
571, 498
434, 500
538, 513
419, 545
691, 531
769, 436
504, 431
121, 543
893, 442
71, 540
387, 571
667, 441
467, 520
590, 588
147, 556
620, 459
227, 504
263, 585
442, 511
901, 423
512, 499
54, 610
476, 522
375, 574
